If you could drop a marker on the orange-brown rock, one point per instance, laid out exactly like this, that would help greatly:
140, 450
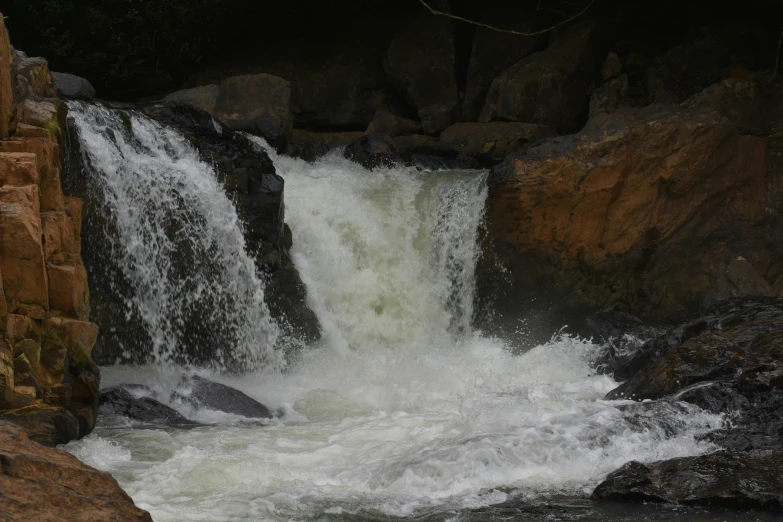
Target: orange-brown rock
46, 151
43, 484
6, 92
22, 261
18, 169
68, 291
641, 211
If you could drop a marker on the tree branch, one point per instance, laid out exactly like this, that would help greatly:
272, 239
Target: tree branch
509, 31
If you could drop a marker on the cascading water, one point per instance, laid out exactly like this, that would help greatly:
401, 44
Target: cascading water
174, 241
401, 410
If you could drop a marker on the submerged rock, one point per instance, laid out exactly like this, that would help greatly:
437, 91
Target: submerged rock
204, 393
718, 479
117, 400
40, 483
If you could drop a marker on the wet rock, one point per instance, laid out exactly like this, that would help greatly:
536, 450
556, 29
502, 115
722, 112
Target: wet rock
550, 87
746, 353
310, 146
374, 151
420, 64
203, 97
117, 400
215, 396
489, 143
72, 86
598, 220
39, 483
718, 479
46, 425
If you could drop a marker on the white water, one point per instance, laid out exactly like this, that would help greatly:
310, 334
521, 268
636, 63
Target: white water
401, 409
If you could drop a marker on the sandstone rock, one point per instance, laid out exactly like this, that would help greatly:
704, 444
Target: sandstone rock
119, 401
72, 86
73, 208
7, 394
78, 336
387, 123
46, 425
62, 485
6, 91
38, 113
420, 63
31, 349
374, 151
47, 154
19, 327
608, 218
310, 146
204, 393
718, 479
68, 290
22, 262
490, 142
25, 375
18, 169
550, 87
204, 97
257, 103
58, 241
33, 78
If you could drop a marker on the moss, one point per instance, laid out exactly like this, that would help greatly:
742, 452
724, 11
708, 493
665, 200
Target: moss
126, 121
53, 127
52, 340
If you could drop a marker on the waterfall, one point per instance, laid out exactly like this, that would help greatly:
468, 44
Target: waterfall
172, 252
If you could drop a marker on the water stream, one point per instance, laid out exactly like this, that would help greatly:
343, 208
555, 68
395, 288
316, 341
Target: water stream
401, 410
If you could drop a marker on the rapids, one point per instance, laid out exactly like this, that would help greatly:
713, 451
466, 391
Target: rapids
402, 409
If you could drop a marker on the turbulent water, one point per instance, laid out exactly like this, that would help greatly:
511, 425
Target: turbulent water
401, 410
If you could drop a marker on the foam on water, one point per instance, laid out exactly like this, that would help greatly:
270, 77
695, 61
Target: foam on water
401, 409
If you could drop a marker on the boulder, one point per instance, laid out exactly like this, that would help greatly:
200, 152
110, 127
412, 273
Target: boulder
551, 87
203, 97
118, 401
72, 86
489, 143
374, 151
203, 393
387, 123
420, 63
642, 211
743, 481
38, 483
256, 103
310, 146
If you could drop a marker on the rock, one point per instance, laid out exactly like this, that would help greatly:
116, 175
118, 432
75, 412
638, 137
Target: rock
18, 169
550, 87
204, 393
493, 52
256, 103
387, 123
119, 401
72, 86
722, 479
34, 82
310, 146
46, 425
608, 97
746, 353
611, 68
420, 63
68, 291
602, 220
287, 301
204, 97
754, 105
6, 87
374, 151
40, 483
38, 114
489, 143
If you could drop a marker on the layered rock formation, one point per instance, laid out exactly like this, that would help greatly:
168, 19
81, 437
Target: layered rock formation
49, 383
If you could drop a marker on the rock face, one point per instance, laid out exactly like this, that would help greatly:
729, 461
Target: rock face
48, 382
551, 87
608, 218
38, 483
489, 143
420, 63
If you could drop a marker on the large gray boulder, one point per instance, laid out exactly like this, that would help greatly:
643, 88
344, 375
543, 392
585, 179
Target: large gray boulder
551, 87
72, 86
203, 97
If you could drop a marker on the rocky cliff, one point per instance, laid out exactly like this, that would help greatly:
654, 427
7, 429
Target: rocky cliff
48, 382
